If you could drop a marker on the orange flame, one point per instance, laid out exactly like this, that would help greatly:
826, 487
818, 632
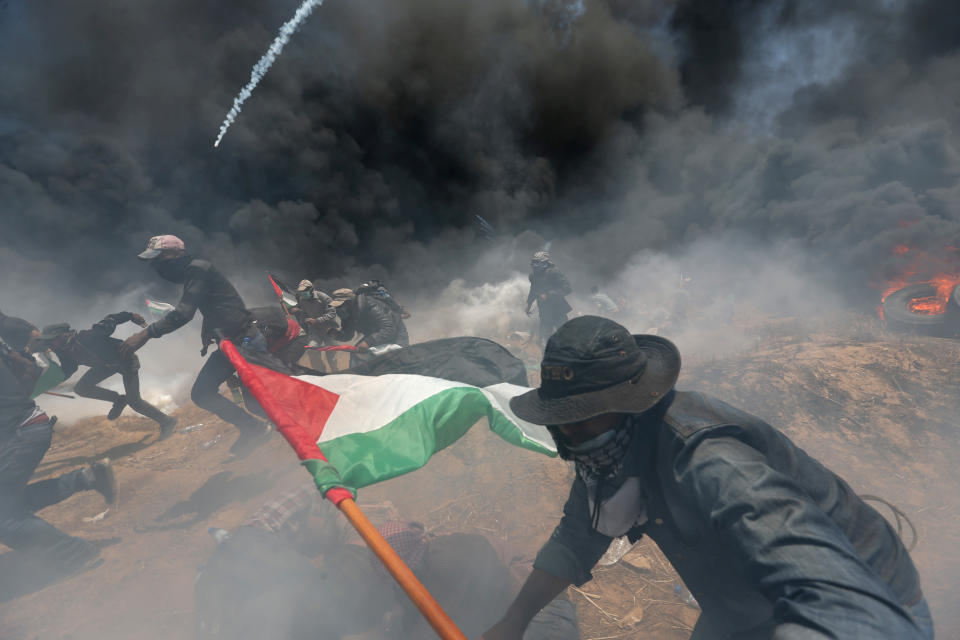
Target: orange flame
942, 273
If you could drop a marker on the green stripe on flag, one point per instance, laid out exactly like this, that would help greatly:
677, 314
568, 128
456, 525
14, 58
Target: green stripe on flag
51, 377
408, 441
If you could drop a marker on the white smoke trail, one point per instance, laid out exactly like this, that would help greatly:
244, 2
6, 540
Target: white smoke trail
263, 65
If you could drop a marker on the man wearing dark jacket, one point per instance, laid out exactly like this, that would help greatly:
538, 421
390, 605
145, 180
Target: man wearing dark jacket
95, 348
771, 543
25, 436
224, 316
376, 321
548, 288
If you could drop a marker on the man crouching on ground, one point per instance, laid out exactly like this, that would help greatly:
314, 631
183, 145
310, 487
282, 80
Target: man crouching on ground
771, 543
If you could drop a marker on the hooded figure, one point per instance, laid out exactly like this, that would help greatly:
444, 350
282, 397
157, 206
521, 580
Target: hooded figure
548, 288
315, 313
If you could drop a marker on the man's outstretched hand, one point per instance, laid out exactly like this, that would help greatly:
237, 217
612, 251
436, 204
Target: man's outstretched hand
536, 593
503, 631
134, 342
138, 319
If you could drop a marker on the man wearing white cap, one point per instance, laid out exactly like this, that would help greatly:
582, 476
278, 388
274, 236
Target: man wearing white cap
206, 290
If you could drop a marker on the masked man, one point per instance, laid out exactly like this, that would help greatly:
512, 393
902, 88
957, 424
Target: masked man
315, 312
206, 290
548, 288
771, 543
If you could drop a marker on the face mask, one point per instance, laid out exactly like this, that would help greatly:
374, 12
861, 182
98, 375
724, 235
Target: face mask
592, 444
600, 456
172, 269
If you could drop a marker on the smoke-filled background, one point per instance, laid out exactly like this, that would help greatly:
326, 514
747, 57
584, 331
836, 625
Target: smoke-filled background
745, 158
775, 152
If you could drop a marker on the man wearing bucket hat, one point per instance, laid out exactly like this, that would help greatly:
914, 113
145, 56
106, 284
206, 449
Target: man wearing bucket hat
206, 290
315, 312
771, 543
374, 319
97, 349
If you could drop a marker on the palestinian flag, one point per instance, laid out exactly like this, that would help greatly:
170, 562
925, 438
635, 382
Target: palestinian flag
51, 377
158, 309
373, 428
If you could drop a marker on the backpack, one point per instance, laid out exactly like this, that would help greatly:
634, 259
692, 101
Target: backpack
375, 289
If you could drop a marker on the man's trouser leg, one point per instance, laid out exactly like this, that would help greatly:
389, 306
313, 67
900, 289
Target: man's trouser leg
206, 393
131, 387
86, 386
19, 528
547, 328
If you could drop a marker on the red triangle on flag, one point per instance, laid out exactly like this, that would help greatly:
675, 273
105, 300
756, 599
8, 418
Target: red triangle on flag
306, 403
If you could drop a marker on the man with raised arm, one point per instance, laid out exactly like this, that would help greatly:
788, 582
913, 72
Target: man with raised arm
206, 290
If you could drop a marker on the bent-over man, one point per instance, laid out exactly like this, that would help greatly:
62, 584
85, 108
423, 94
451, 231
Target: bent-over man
771, 543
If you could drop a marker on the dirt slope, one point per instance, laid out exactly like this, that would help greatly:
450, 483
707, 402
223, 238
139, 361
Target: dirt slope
883, 411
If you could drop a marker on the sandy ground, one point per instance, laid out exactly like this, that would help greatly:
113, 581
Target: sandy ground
880, 409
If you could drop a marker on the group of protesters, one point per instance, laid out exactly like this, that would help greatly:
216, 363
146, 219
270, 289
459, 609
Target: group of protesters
26, 431
770, 542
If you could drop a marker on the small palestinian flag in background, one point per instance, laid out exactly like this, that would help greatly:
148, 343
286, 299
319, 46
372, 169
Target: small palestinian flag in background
158, 309
52, 375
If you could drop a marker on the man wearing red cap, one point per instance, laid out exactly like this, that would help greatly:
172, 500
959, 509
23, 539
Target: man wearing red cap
206, 290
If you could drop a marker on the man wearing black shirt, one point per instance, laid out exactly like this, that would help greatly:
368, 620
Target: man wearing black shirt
206, 290
95, 348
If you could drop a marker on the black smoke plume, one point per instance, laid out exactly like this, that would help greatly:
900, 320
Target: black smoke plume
385, 127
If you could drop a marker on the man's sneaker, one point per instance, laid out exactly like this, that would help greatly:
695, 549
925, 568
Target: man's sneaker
250, 439
117, 408
102, 479
167, 427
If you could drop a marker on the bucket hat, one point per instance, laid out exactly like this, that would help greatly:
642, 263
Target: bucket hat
53, 331
341, 296
593, 366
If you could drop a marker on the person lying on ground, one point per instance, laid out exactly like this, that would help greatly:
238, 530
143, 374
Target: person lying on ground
96, 349
296, 570
771, 543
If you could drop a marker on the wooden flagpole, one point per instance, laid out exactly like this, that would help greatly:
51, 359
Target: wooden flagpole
307, 449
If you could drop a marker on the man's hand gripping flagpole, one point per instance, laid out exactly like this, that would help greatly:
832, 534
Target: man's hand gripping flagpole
326, 479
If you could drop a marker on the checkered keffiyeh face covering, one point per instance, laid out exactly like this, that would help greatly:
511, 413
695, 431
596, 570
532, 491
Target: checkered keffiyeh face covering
605, 462
409, 539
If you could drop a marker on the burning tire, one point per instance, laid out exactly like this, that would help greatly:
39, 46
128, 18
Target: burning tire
902, 312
